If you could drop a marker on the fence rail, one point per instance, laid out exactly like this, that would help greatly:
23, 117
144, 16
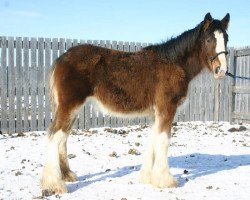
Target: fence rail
24, 104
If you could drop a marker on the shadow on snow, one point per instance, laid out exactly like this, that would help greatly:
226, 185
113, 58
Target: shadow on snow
196, 164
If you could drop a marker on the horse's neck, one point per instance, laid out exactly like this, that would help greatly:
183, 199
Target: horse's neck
193, 64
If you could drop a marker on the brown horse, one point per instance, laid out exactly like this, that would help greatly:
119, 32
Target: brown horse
153, 81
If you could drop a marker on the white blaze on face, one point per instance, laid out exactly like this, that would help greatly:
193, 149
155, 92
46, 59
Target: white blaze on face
220, 46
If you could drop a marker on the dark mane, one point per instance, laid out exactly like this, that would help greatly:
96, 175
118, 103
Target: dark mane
178, 46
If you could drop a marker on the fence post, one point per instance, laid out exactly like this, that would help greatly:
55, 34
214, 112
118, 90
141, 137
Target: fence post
3, 85
231, 82
216, 100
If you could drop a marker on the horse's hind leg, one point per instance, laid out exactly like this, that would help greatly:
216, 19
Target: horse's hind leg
67, 174
56, 170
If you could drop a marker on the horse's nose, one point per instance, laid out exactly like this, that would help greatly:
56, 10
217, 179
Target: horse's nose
217, 69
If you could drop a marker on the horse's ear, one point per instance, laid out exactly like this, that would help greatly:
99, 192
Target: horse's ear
225, 21
207, 21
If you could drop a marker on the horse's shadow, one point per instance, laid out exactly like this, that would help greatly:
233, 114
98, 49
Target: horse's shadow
102, 176
195, 165
198, 165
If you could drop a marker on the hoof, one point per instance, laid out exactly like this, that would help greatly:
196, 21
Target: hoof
163, 180
70, 177
53, 187
47, 193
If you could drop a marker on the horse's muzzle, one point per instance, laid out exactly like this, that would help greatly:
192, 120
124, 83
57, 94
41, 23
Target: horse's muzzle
219, 73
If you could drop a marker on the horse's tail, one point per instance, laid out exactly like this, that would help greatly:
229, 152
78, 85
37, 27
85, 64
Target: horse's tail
52, 90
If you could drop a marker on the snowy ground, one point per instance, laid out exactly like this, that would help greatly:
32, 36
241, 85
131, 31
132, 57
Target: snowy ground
209, 161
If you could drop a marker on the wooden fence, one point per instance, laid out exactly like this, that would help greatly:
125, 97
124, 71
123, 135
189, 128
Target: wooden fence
24, 103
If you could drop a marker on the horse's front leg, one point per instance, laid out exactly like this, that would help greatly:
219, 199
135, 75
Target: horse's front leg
156, 169
161, 176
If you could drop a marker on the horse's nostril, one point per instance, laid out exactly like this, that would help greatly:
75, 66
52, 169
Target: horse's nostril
217, 70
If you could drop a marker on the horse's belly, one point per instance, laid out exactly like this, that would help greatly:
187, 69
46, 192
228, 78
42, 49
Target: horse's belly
121, 104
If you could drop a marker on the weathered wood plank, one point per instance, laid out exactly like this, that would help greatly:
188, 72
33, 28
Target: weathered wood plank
138, 46
108, 44
87, 118
132, 47
11, 84
94, 120
19, 84
239, 83
33, 83
200, 90
82, 42
3, 85
192, 95
81, 124
26, 84
231, 62
216, 101
96, 43
144, 44
241, 90
126, 47
40, 84
75, 42
114, 45
248, 75
222, 99
241, 116
245, 84
55, 47
69, 44
47, 67
212, 83
62, 46
242, 52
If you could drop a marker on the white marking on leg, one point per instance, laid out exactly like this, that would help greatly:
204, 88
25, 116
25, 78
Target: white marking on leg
53, 149
52, 176
220, 46
161, 151
147, 166
146, 169
161, 177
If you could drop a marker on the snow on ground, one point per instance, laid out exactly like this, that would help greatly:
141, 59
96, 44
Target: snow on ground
209, 161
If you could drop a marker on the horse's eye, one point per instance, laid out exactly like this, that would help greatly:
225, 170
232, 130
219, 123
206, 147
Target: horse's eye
208, 40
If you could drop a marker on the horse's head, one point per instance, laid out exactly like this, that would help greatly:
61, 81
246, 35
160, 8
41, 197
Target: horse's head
214, 42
